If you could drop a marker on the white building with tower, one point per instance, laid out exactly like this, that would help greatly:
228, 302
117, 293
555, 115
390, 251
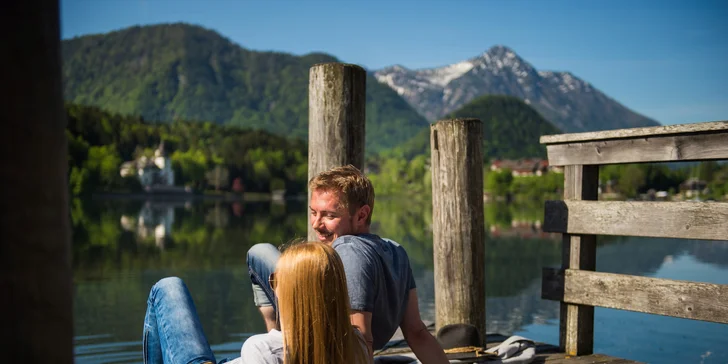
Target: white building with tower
152, 172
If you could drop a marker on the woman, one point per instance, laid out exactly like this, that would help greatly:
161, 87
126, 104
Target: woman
313, 301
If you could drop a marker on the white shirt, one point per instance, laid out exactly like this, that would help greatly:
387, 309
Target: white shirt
263, 349
268, 349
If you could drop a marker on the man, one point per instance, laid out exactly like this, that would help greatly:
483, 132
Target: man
382, 289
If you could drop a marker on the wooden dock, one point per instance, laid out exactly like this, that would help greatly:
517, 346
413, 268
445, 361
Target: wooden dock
545, 353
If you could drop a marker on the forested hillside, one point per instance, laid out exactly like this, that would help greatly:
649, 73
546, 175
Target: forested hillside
98, 143
511, 130
185, 72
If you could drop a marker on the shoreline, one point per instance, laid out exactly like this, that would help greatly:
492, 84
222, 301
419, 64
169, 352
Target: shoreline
232, 197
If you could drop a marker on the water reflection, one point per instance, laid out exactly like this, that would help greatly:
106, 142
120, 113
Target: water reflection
155, 220
121, 248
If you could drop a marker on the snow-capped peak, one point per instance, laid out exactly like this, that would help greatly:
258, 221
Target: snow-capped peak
566, 81
395, 68
571, 103
443, 75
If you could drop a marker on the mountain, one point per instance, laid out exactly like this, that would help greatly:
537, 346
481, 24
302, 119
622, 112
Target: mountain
570, 103
180, 71
511, 129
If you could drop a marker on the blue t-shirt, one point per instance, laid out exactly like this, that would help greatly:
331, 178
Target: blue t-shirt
379, 278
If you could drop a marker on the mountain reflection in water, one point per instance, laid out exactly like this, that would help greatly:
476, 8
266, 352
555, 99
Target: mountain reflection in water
122, 247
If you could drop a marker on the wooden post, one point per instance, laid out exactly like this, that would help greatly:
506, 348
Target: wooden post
35, 262
336, 106
458, 223
576, 323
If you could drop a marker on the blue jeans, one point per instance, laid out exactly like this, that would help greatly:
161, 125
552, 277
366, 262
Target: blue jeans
172, 330
262, 259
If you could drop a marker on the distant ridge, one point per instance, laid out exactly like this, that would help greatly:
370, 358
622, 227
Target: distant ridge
570, 103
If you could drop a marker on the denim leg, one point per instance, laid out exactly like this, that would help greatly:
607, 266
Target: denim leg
262, 259
172, 329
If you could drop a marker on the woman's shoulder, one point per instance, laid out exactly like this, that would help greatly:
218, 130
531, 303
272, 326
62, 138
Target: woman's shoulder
263, 348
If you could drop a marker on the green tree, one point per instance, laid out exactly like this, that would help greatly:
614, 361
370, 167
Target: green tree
631, 180
218, 177
103, 162
498, 183
78, 181
707, 170
190, 166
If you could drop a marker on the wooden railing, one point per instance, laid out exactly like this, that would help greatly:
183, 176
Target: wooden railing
580, 217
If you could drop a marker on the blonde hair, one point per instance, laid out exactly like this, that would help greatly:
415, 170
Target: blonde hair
313, 304
355, 188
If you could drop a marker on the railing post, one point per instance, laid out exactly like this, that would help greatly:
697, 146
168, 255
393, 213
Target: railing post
458, 223
336, 107
35, 250
576, 325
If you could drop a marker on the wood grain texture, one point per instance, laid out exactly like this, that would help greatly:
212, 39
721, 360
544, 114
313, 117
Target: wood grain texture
336, 119
35, 250
586, 359
676, 148
576, 323
686, 220
691, 300
458, 222
694, 128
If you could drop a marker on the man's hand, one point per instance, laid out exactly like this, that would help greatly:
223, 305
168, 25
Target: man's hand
419, 339
363, 321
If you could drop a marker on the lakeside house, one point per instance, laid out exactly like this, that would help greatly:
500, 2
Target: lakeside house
155, 174
524, 167
693, 187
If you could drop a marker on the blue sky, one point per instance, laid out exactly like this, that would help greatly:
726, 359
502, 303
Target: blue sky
664, 59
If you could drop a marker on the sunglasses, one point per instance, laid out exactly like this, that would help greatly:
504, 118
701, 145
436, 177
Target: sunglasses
272, 280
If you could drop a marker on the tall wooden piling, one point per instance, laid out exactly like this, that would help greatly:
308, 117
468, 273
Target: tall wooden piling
458, 223
35, 262
336, 107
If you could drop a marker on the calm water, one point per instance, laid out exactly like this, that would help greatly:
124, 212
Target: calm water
121, 248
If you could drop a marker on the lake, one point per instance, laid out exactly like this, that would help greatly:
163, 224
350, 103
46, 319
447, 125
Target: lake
122, 247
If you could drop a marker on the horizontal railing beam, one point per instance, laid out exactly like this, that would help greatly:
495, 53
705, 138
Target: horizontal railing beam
677, 148
684, 299
685, 220
652, 131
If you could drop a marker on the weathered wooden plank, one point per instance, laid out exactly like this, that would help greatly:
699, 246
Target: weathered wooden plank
694, 128
686, 220
35, 249
576, 323
458, 225
691, 300
648, 149
586, 359
336, 120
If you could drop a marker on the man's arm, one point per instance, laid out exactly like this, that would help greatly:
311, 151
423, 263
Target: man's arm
419, 339
363, 321
269, 316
